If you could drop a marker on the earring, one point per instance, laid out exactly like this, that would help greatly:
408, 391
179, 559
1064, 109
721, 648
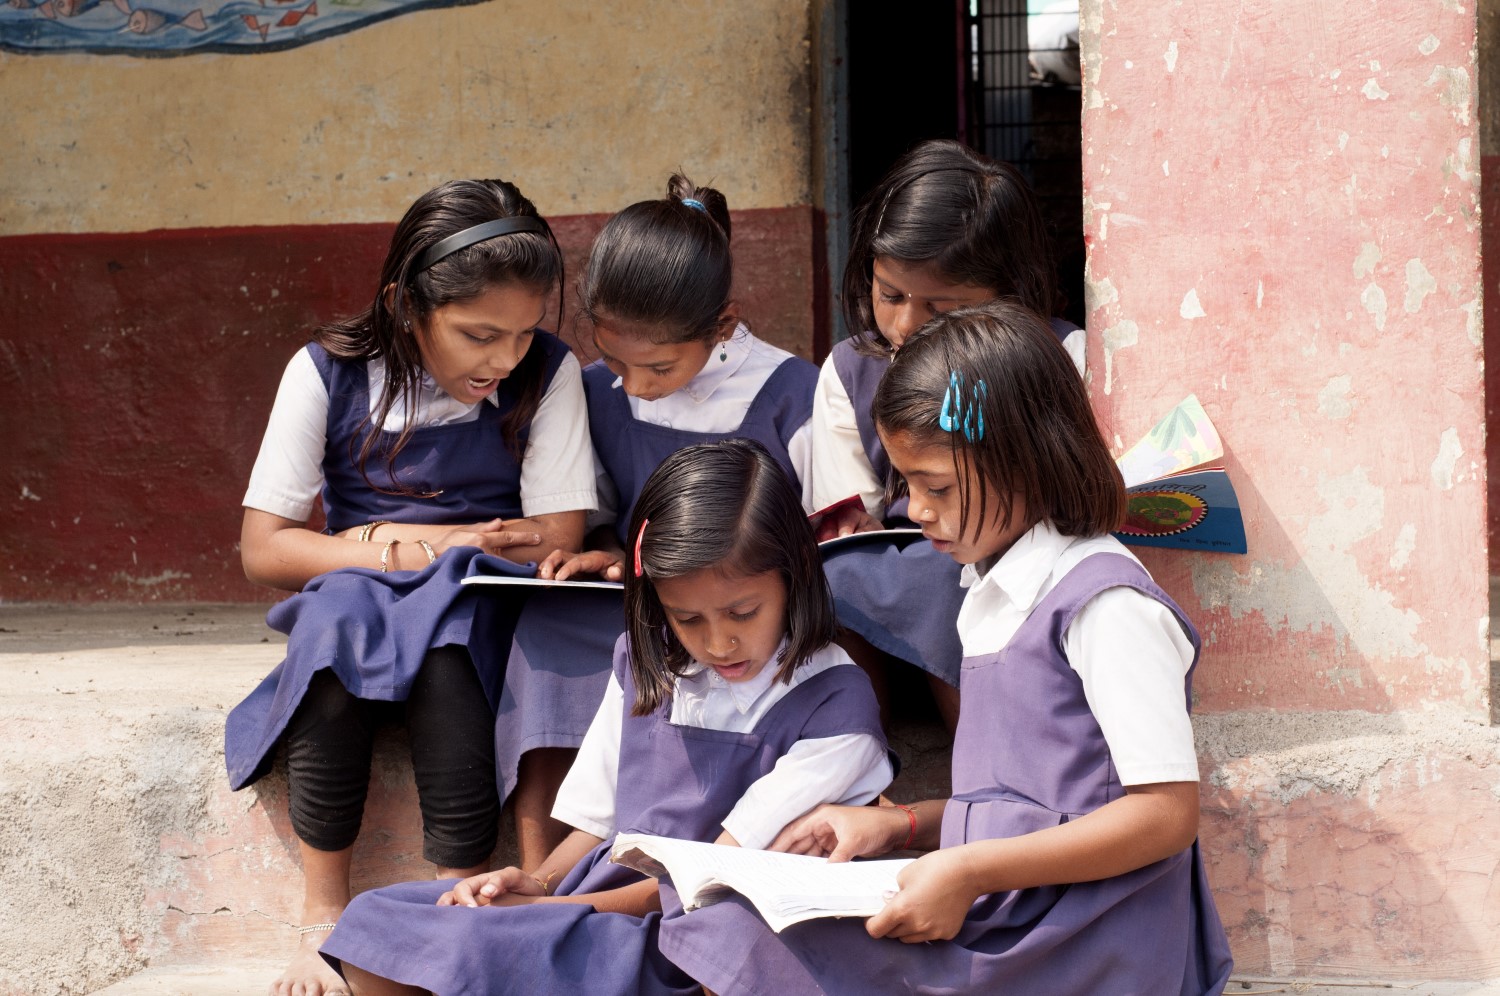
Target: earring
723, 350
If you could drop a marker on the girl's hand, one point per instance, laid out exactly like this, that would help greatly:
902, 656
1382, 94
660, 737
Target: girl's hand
844, 832
493, 537
560, 565
936, 893
489, 888
846, 521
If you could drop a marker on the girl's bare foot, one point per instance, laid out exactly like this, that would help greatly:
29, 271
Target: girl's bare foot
308, 974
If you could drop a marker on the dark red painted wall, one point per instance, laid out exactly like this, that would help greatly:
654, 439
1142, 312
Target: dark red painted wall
138, 370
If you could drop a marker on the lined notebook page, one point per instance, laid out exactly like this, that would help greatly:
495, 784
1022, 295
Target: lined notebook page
784, 888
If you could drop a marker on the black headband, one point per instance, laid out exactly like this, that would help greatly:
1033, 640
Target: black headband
479, 233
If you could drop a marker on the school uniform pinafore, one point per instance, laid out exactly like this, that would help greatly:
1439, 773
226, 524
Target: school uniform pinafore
560, 657
1028, 755
875, 585
373, 629
674, 781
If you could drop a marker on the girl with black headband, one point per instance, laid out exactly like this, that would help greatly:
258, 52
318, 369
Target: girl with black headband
442, 430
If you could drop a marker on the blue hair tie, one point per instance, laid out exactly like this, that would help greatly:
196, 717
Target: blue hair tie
695, 205
956, 416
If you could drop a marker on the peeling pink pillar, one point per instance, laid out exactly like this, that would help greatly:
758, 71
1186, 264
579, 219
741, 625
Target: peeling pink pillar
1281, 201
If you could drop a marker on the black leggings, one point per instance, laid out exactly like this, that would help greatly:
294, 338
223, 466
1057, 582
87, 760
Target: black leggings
330, 741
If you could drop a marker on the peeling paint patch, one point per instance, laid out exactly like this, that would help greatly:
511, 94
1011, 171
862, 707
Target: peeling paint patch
1343, 140
1166, 168
1333, 400
1406, 542
1473, 327
1429, 45
1364, 263
1460, 164
1098, 293
1325, 589
1456, 92
154, 579
1449, 450
1419, 283
1260, 292
29, 495
1190, 307
1170, 57
1373, 299
1373, 91
1117, 337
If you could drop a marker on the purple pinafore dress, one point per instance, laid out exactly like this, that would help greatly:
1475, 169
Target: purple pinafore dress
1028, 755
372, 628
674, 781
560, 657
872, 581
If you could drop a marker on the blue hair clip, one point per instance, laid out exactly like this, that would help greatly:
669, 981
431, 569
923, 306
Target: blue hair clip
955, 416
695, 205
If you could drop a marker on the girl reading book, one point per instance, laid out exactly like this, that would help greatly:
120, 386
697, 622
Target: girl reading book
1067, 859
729, 713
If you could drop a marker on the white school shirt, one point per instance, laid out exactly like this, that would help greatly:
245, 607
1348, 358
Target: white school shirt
1127, 648
840, 467
557, 473
850, 769
715, 400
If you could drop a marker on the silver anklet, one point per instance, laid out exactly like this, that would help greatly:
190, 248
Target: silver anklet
313, 928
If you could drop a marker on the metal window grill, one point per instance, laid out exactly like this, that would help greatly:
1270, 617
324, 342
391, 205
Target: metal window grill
1022, 104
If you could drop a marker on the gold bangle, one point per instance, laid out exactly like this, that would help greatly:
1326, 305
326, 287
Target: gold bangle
368, 533
546, 883
385, 555
431, 553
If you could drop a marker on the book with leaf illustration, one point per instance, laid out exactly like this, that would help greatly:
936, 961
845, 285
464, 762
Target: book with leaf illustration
1176, 495
784, 888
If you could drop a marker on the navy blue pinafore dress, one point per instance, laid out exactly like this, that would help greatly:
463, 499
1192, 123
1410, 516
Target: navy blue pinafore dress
1028, 755
674, 781
560, 658
373, 629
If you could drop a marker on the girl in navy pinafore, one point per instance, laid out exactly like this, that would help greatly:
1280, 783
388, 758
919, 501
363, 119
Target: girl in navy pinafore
444, 433
677, 368
945, 227
729, 712
1066, 860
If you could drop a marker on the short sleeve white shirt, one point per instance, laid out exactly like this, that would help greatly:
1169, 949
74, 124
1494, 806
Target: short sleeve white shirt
556, 468
849, 769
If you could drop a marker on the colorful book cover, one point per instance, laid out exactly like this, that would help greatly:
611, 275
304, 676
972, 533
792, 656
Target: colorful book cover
1173, 500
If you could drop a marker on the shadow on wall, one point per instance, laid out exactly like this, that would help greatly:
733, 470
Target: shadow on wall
1320, 794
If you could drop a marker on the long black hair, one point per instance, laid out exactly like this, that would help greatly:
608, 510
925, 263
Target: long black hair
406, 294
729, 507
1019, 415
663, 268
973, 218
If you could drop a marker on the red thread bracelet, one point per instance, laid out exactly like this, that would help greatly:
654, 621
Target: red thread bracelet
911, 836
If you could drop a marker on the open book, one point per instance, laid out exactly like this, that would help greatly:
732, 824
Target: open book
1175, 498
498, 571
784, 888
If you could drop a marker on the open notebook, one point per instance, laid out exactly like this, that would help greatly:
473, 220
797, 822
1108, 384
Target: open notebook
784, 888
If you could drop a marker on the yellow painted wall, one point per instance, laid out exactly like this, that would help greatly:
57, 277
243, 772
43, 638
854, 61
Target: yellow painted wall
587, 106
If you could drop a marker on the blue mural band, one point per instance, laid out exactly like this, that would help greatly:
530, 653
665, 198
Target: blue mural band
955, 416
479, 233
695, 204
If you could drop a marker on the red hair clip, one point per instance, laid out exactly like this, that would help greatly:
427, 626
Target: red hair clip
638, 537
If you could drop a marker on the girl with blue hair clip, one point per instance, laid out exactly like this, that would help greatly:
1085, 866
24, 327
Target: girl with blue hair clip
1066, 860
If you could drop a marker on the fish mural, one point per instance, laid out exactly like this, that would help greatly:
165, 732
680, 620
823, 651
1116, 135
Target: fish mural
181, 27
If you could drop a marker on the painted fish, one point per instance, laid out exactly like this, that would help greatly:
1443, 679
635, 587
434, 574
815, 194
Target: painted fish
144, 21
291, 17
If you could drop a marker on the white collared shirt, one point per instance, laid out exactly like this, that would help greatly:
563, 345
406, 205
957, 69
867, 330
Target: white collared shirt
840, 467
556, 470
852, 768
715, 400
1126, 647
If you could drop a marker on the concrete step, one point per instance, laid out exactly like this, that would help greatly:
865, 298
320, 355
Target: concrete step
243, 979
